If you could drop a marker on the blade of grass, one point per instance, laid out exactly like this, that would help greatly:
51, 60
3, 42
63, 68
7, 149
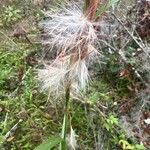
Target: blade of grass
65, 119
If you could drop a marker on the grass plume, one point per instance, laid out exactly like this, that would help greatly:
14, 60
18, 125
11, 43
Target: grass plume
72, 35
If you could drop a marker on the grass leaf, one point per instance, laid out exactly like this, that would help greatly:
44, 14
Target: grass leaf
50, 143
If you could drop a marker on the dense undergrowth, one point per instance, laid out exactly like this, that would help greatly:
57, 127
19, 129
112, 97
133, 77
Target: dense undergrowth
113, 113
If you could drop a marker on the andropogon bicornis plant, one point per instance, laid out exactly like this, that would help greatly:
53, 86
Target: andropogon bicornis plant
71, 34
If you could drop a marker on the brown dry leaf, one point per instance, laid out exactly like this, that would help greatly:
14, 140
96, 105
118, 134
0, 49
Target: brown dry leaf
31, 61
20, 73
134, 88
23, 114
124, 73
10, 139
38, 2
1, 109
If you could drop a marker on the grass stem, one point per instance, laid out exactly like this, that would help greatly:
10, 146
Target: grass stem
65, 119
86, 5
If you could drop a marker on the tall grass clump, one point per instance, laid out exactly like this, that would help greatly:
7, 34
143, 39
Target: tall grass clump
71, 34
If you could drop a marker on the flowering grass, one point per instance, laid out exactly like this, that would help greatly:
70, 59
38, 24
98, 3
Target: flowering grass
72, 35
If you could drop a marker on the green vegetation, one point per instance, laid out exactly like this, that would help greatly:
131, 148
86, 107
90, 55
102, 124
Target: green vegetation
104, 117
11, 15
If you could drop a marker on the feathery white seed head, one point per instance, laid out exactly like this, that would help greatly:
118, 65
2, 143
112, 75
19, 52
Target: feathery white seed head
53, 76
73, 35
68, 29
72, 142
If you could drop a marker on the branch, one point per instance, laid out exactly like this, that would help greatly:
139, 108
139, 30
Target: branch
129, 33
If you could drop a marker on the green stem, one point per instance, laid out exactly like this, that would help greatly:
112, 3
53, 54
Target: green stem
67, 97
65, 119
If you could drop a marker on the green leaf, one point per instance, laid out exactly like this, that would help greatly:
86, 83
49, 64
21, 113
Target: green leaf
106, 6
1, 139
107, 127
140, 147
114, 120
50, 143
130, 147
124, 144
63, 144
112, 3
